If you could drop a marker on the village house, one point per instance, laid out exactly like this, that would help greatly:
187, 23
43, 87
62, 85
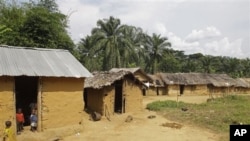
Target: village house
113, 92
139, 74
242, 86
52, 78
184, 83
220, 84
197, 83
156, 88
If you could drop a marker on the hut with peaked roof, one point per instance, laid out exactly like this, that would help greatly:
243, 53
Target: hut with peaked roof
139, 74
197, 83
158, 87
113, 92
220, 84
185, 83
242, 86
52, 78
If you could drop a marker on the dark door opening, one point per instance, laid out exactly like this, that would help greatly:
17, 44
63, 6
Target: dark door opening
144, 91
182, 89
85, 99
118, 97
26, 89
157, 90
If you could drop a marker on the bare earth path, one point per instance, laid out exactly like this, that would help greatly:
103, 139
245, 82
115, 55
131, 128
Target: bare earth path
139, 129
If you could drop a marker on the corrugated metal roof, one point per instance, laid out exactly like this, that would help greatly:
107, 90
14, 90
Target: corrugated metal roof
21, 61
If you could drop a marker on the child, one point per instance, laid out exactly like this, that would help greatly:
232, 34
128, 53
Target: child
8, 134
20, 120
33, 121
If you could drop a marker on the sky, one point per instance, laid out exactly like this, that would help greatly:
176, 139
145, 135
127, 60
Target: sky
210, 27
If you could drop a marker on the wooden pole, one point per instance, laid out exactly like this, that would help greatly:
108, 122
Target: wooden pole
14, 107
39, 105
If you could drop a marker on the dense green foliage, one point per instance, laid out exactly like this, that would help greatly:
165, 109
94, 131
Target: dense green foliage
112, 44
216, 115
39, 23
34, 24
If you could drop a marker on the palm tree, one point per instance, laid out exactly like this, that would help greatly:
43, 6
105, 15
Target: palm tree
155, 47
208, 62
93, 63
246, 70
111, 42
135, 38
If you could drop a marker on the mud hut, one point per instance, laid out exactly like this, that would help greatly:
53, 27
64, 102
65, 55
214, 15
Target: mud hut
242, 86
113, 92
139, 74
185, 83
220, 84
51, 78
157, 87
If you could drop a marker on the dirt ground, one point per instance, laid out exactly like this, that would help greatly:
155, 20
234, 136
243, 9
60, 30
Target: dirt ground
141, 128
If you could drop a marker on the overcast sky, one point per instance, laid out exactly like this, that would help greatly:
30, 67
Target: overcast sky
210, 27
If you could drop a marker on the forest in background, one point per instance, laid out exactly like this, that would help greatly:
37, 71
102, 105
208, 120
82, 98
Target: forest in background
39, 23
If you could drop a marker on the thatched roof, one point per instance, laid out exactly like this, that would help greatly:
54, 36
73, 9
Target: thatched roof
218, 80
134, 71
183, 78
156, 80
243, 82
102, 79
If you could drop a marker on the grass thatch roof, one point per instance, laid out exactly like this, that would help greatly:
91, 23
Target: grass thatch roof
243, 82
102, 79
218, 80
156, 80
183, 78
134, 71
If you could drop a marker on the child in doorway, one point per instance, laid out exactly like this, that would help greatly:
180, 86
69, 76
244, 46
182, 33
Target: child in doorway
20, 120
8, 134
33, 121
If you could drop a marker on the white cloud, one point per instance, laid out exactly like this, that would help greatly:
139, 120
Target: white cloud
203, 34
82, 17
216, 47
224, 47
160, 28
178, 16
180, 44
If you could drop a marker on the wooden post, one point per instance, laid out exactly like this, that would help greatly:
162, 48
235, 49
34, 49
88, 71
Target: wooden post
178, 92
39, 105
177, 103
14, 124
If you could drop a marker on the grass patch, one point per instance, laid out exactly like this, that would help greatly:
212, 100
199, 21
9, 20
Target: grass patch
216, 115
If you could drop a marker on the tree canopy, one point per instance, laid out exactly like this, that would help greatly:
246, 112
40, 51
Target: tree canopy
39, 23
34, 24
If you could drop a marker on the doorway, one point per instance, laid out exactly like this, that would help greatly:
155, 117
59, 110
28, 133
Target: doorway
182, 89
85, 99
26, 89
118, 97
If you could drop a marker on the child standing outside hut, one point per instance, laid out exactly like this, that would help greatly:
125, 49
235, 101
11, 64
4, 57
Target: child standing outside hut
33, 120
8, 134
20, 120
